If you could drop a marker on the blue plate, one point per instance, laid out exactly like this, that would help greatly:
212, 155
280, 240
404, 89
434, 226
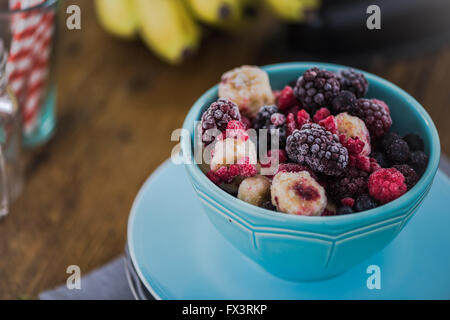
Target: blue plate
178, 254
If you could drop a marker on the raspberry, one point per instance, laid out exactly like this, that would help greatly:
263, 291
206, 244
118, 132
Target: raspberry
303, 117
350, 184
409, 173
269, 118
343, 102
291, 124
321, 114
286, 98
268, 206
316, 89
386, 185
414, 142
353, 81
329, 124
398, 151
419, 162
236, 129
364, 202
214, 177
349, 202
217, 116
353, 145
378, 121
318, 148
344, 210
246, 169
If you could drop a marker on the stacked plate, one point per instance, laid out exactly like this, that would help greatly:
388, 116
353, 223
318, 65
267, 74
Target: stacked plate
174, 252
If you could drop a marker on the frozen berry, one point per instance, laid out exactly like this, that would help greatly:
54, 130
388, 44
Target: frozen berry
274, 122
249, 87
376, 118
321, 114
351, 183
409, 173
382, 103
298, 193
344, 210
386, 185
353, 81
286, 98
387, 139
268, 206
398, 151
349, 202
353, 127
274, 157
414, 142
418, 161
343, 102
364, 202
381, 159
316, 89
317, 148
303, 117
329, 124
217, 117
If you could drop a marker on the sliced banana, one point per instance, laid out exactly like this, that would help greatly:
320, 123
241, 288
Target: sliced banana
298, 193
248, 87
231, 151
255, 190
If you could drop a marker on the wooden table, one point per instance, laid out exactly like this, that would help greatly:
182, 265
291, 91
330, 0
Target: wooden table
117, 107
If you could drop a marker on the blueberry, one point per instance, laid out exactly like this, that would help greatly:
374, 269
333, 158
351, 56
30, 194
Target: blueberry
364, 202
418, 161
414, 142
344, 210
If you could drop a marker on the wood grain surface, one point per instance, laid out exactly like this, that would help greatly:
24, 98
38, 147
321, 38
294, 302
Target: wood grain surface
117, 107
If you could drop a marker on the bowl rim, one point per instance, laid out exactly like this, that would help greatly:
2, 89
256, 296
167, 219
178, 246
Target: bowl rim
259, 213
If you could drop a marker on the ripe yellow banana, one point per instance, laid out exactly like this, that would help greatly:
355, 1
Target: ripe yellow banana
117, 17
293, 10
222, 13
167, 28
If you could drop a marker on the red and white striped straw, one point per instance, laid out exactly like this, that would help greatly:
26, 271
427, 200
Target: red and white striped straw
28, 62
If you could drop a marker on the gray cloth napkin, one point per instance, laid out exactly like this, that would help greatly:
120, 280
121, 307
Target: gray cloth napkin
110, 282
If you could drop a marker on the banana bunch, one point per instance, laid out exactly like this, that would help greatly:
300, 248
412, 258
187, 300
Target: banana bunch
170, 29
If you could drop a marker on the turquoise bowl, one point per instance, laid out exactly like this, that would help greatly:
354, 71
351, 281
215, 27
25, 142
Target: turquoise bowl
300, 248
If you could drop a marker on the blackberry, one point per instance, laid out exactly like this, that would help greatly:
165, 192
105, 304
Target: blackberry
381, 159
418, 161
344, 210
364, 202
377, 119
387, 139
268, 206
414, 142
217, 116
317, 148
343, 102
269, 118
351, 183
409, 173
398, 151
354, 82
316, 89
